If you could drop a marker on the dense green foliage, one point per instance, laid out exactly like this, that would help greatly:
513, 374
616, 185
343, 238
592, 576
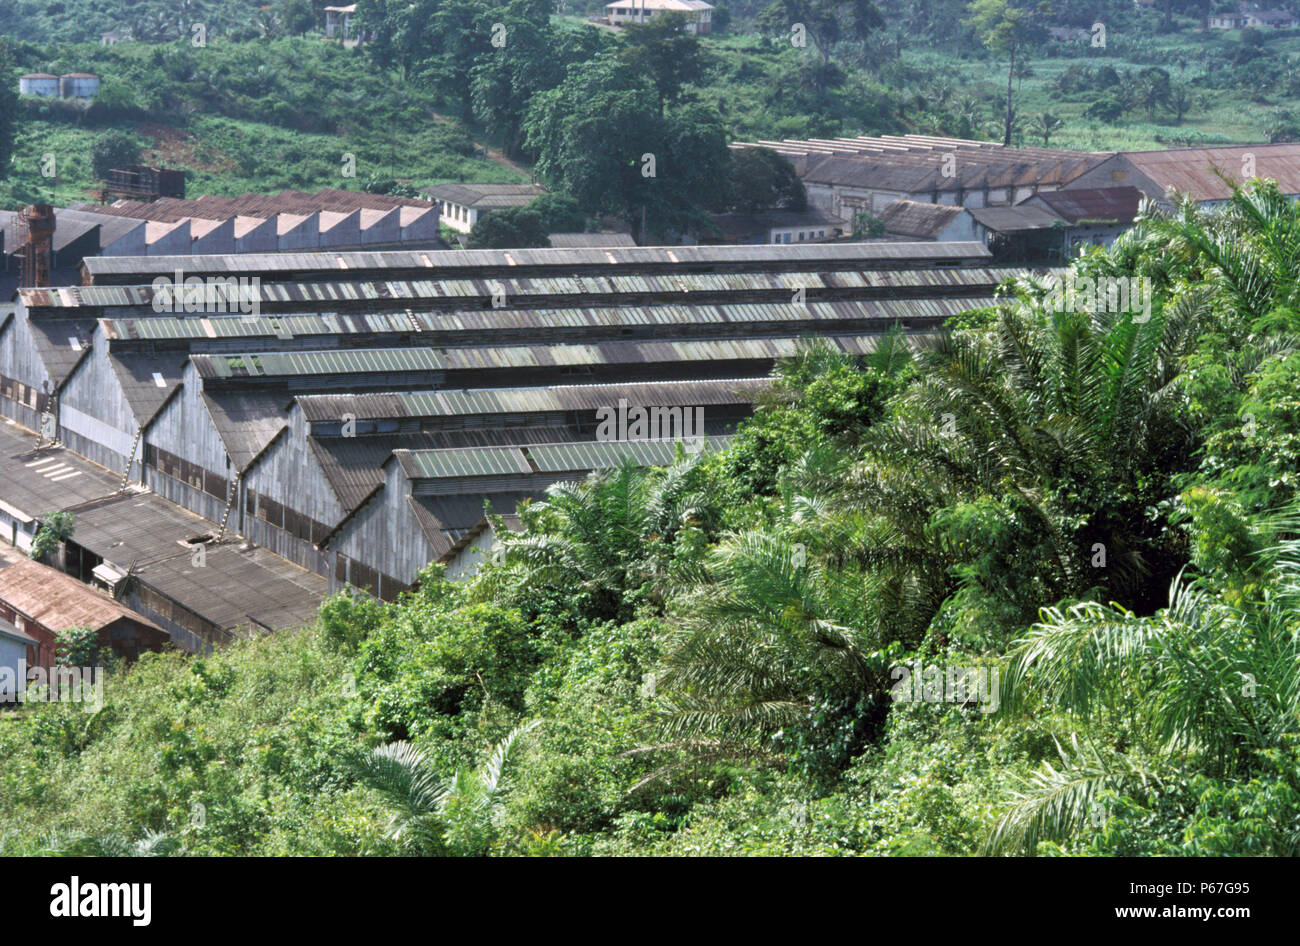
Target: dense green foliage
54, 528
1093, 515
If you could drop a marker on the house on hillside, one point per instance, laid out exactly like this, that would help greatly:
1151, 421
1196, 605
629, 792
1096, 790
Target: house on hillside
339, 24
699, 15
1235, 20
461, 205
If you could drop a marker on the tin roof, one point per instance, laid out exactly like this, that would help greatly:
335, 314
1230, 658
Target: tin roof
1109, 204
1192, 171
433, 262
917, 219
587, 240
58, 601
485, 195
247, 422
1014, 219
299, 363
574, 457
571, 397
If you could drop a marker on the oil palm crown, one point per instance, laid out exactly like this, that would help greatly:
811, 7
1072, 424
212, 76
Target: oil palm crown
1202, 684
1065, 415
612, 533
434, 815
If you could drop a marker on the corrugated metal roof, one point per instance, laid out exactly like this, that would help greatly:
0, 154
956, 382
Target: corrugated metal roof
318, 296
59, 602
595, 455
573, 457
432, 261
1116, 204
449, 464
138, 375
61, 344
354, 465
573, 397
299, 363
247, 422
541, 319
1195, 171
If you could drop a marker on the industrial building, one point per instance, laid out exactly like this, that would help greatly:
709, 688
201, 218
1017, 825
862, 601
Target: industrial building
356, 426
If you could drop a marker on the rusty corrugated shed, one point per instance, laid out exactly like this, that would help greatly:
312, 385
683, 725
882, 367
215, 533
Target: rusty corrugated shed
58, 602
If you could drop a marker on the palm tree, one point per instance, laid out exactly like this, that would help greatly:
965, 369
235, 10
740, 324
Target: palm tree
608, 535
778, 633
1248, 254
1045, 125
433, 815
1202, 684
1048, 412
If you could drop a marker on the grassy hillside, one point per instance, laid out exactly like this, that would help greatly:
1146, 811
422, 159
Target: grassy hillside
255, 116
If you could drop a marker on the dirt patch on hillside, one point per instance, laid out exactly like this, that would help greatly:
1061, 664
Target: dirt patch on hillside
176, 148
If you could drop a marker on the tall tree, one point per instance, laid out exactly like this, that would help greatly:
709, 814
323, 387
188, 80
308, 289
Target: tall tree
666, 52
599, 137
1004, 26
824, 22
8, 107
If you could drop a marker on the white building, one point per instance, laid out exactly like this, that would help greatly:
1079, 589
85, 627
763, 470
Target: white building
698, 13
461, 205
338, 21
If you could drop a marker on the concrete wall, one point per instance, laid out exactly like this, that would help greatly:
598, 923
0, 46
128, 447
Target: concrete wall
385, 229
220, 239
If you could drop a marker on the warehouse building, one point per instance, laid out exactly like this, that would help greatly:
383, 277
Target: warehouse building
844, 176
351, 431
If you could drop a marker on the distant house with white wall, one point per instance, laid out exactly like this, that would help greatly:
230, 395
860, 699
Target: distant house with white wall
1227, 21
777, 226
461, 205
338, 22
699, 14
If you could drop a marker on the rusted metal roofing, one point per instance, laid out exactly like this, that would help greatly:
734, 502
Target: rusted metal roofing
446, 521
917, 219
430, 294
1097, 205
543, 320
139, 374
211, 207
571, 397
61, 344
58, 601
1195, 171
247, 422
1015, 219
